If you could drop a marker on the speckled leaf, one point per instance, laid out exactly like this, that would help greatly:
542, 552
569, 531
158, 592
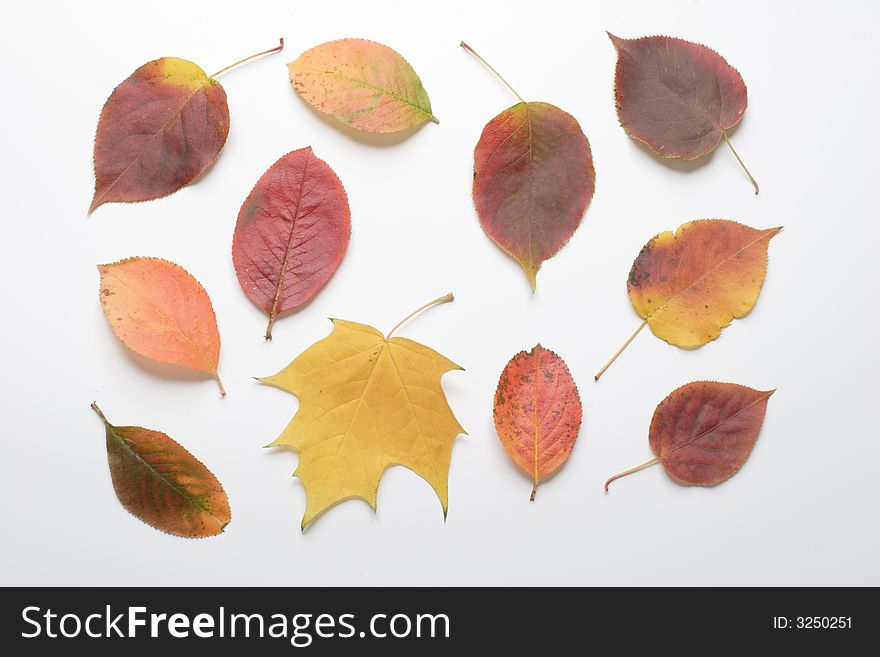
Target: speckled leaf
704, 431
291, 234
364, 84
537, 412
162, 484
689, 284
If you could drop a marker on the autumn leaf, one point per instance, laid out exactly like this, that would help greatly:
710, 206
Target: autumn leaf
162, 484
704, 431
537, 412
157, 309
367, 402
364, 84
291, 234
690, 284
159, 130
533, 180
677, 97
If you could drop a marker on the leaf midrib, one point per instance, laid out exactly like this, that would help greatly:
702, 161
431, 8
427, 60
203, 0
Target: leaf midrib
391, 94
706, 273
161, 131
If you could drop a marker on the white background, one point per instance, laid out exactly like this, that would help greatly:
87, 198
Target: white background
803, 510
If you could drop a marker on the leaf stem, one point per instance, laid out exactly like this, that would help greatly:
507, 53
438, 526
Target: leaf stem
219, 383
620, 351
100, 413
534, 490
279, 47
646, 464
268, 335
741, 163
492, 68
444, 299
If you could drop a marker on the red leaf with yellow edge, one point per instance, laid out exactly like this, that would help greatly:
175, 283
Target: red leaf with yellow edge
291, 234
690, 284
704, 431
677, 97
364, 84
537, 412
161, 128
533, 180
157, 309
162, 484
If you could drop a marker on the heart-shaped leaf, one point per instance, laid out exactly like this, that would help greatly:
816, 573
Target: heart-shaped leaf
679, 98
690, 284
704, 431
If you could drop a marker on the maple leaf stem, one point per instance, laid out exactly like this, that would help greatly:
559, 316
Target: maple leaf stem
444, 299
100, 413
739, 159
534, 490
219, 383
620, 351
646, 464
492, 68
279, 47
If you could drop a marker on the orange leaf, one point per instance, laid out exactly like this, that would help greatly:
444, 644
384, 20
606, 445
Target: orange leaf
690, 284
162, 484
537, 412
160, 311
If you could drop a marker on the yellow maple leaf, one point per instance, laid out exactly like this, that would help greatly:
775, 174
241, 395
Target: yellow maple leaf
367, 401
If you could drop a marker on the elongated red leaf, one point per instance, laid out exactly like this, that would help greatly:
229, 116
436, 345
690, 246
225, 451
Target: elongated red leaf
703, 432
160, 128
533, 181
291, 234
161, 483
537, 412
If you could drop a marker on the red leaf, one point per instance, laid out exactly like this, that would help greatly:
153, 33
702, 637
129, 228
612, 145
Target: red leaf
676, 96
533, 181
291, 234
537, 412
704, 431
160, 128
